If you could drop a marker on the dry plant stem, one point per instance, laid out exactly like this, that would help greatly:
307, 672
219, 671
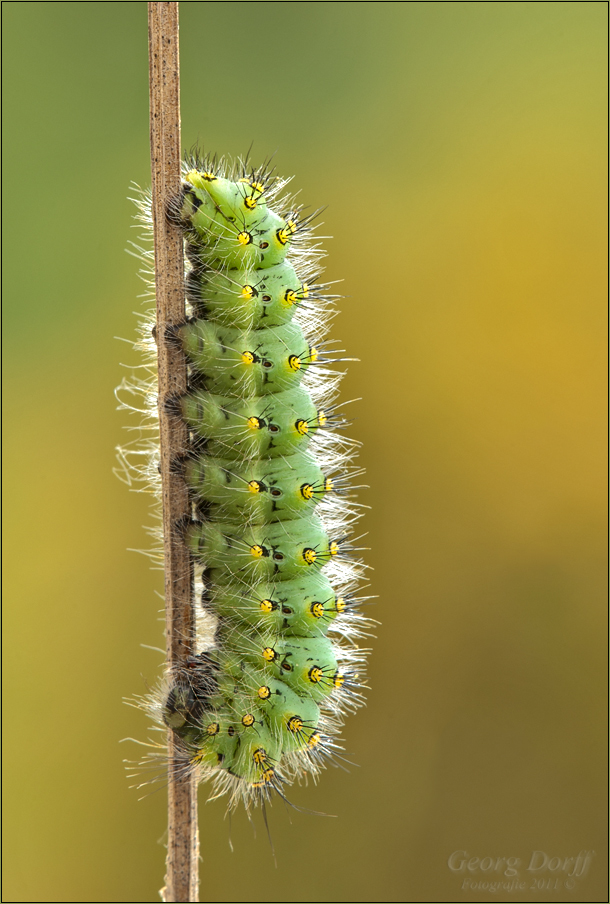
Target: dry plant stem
183, 843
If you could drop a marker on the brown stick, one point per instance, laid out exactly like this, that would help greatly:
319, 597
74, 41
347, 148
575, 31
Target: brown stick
182, 883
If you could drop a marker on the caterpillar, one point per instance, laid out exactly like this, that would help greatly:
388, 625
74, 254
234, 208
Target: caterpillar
268, 470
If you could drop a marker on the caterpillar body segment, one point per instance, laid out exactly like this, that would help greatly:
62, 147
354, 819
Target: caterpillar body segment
244, 298
228, 233
284, 549
258, 492
270, 425
248, 362
302, 607
268, 476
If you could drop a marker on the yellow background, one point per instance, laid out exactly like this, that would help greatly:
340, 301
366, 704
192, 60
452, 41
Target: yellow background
460, 148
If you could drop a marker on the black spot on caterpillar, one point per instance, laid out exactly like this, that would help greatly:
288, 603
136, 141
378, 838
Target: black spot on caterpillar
268, 476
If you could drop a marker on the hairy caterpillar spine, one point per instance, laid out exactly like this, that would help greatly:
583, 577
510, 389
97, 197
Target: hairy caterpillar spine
277, 663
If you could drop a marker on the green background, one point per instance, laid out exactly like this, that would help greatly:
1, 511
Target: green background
460, 148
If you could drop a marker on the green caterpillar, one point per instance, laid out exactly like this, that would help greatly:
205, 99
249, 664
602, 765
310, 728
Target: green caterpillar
262, 702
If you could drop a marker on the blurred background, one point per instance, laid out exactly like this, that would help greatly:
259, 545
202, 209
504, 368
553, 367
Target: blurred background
460, 150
